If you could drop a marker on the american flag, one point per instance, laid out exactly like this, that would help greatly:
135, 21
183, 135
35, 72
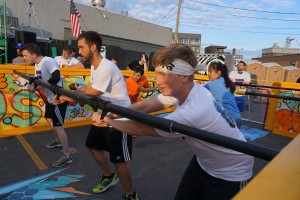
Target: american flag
74, 20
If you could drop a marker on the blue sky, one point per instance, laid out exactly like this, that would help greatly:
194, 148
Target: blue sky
221, 22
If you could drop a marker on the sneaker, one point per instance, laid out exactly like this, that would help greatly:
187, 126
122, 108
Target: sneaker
53, 144
130, 197
63, 160
106, 183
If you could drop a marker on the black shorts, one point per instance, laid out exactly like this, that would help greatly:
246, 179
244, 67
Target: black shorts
118, 144
197, 184
56, 112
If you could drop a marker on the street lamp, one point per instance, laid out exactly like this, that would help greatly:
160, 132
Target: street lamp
99, 4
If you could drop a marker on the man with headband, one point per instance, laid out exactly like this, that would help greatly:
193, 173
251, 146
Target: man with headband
214, 172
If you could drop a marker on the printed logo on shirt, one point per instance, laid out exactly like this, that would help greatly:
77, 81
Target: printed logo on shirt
39, 74
239, 80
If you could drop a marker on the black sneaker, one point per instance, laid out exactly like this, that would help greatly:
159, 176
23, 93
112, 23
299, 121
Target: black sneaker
53, 144
63, 160
130, 197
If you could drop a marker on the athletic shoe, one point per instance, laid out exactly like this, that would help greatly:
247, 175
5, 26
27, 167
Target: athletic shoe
106, 183
131, 197
53, 144
63, 160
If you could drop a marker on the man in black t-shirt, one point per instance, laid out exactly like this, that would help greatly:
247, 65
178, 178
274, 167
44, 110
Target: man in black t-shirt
141, 63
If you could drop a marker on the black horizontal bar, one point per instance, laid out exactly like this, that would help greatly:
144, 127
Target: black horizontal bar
165, 124
293, 98
265, 86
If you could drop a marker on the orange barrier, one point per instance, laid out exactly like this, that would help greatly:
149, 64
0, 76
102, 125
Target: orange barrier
21, 112
284, 115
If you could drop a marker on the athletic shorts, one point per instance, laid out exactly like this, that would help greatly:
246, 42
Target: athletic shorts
118, 144
197, 184
56, 112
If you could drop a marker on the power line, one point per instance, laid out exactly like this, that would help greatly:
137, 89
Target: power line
242, 30
253, 10
168, 13
257, 27
172, 15
243, 15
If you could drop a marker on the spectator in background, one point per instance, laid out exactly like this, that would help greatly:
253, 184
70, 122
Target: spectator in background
141, 63
222, 89
67, 60
240, 76
19, 60
136, 84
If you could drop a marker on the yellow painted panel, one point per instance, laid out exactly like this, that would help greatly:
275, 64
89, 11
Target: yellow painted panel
272, 109
285, 133
279, 180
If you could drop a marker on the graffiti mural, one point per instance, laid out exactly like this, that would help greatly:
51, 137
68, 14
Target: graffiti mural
287, 116
48, 186
20, 108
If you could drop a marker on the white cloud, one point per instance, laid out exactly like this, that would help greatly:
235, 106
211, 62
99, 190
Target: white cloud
216, 28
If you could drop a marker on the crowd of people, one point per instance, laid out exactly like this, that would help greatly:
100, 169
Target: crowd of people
214, 172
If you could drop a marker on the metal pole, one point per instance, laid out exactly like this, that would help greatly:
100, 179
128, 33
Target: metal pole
161, 123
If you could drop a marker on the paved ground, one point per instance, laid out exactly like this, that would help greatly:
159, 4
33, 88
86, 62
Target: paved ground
157, 166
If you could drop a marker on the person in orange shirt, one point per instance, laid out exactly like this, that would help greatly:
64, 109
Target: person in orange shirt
137, 83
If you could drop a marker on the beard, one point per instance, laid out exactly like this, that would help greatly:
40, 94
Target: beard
88, 58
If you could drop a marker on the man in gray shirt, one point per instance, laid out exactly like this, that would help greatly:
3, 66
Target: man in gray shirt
19, 60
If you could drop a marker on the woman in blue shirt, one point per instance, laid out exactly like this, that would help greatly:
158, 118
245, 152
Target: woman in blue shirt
222, 89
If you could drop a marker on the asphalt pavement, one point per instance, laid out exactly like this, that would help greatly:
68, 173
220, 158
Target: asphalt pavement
157, 165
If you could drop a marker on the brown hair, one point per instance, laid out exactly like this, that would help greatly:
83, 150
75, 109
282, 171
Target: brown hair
166, 55
91, 37
68, 49
32, 48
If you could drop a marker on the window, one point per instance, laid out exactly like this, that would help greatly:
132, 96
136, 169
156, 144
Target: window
185, 40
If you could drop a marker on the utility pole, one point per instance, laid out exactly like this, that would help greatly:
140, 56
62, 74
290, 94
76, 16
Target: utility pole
177, 22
